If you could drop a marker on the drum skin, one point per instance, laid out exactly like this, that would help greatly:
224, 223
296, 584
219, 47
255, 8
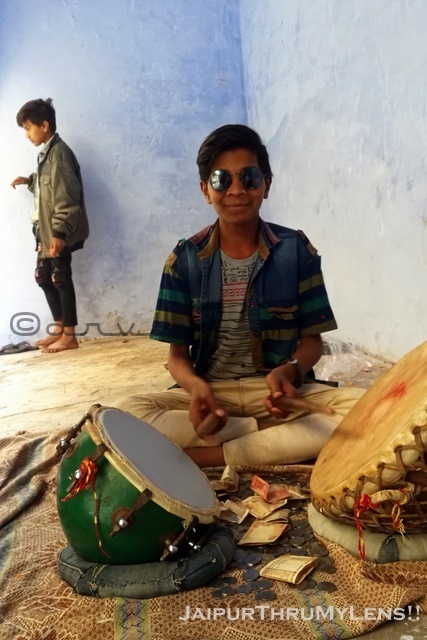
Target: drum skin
138, 543
379, 446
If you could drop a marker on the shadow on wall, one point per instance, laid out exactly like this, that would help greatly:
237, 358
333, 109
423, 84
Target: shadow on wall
104, 261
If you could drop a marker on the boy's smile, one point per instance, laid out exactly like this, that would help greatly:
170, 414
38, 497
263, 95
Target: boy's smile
37, 134
237, 205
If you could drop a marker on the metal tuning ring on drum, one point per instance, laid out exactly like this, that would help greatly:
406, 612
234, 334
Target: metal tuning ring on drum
65, 443
123, 517
170, 546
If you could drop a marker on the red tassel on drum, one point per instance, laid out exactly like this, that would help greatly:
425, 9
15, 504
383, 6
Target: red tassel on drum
360, 507
85, 479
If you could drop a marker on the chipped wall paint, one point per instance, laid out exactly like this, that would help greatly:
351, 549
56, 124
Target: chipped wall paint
137, 85
338, 90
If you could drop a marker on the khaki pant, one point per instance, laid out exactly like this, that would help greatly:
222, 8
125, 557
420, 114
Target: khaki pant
293, 439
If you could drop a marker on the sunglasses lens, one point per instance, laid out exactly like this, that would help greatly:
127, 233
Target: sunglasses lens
220, 180
252, 177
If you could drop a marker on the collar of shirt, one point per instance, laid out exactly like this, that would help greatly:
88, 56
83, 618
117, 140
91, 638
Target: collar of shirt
267, 240
42, 154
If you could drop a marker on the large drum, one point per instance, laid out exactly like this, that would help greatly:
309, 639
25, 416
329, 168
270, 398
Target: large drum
126, 494
372, 471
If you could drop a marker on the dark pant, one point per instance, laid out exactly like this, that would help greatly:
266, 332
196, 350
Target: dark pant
54, 276
152, 579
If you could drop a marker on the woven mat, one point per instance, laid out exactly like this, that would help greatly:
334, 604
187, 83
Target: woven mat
35, 604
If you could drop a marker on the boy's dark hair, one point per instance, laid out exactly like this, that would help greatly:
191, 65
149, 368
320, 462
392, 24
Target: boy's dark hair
37, 111
226, 138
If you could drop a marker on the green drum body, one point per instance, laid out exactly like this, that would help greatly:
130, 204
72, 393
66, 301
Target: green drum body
142, 495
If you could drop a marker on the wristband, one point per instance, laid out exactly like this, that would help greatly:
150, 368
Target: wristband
299, 376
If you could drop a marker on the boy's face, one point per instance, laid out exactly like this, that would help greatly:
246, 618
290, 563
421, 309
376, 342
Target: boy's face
238, 204
37, 135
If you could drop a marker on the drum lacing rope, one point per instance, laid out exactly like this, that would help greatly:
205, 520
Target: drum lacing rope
365, 502
396, 519
86, 480
397, 497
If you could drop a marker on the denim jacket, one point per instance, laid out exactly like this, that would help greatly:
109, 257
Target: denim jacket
286, 297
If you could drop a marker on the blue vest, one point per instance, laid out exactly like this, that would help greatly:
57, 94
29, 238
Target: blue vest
272, 297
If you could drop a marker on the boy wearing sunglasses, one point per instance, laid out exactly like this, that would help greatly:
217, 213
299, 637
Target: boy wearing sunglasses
242, 304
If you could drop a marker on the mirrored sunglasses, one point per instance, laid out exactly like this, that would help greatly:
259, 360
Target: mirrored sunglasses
251, 178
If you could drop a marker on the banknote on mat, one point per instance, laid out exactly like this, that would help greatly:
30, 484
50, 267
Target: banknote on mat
260, 508
280, 515
263, 532
268, 492
229, 481
289, 568
233, 512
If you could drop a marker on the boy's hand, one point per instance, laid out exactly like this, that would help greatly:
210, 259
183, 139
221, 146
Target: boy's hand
56, 247
19, 180
280, 387
202, 403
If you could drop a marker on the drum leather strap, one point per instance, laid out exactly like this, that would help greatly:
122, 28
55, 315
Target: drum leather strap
65, 443
205, 537
99, 451
122, 518
171, 546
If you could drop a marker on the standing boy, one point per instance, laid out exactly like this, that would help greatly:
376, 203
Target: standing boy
59, 220
242, 304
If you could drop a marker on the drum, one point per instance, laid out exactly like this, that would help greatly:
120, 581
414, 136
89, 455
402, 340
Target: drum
126, 494
372, 471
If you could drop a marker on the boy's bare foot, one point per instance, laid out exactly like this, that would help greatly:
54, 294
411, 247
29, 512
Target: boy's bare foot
53, 336
49, 340
64, 343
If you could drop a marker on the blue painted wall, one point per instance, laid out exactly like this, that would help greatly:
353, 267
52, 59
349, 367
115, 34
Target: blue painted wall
339, 92
336, 89
137, 85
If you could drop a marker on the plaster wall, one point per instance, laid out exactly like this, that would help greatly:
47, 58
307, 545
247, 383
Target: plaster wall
338, 91
136, 85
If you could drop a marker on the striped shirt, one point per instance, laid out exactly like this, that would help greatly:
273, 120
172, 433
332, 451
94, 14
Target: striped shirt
232, 357
285, 300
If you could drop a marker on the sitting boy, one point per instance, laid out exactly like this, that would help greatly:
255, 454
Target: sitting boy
242, 304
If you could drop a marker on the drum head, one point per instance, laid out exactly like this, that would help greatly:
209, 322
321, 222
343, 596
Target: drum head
149, 460
368, 435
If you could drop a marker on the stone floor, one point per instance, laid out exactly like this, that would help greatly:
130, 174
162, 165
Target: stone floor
50, 391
